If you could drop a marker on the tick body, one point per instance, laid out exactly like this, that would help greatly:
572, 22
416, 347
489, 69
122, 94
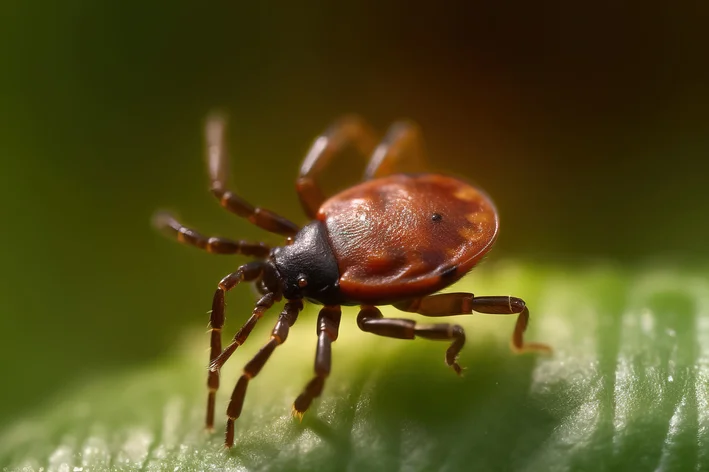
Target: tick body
394, 239
406, 236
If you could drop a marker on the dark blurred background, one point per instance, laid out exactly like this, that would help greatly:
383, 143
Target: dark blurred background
587, 122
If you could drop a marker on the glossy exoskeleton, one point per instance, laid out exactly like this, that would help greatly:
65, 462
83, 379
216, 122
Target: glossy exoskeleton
393, 239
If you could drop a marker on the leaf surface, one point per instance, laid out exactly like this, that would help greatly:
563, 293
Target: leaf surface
627, 388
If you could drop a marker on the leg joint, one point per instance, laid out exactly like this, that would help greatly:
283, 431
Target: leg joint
517, 305
368, 313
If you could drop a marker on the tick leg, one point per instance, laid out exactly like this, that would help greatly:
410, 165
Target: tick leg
401, 150
278, 336
348, 130
370, 319
170, 226
245, 273
328, 326
448, 304
218, 164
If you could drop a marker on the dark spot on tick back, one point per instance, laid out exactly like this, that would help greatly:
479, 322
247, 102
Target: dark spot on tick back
436, 217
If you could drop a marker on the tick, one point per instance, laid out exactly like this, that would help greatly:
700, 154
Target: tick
393, 239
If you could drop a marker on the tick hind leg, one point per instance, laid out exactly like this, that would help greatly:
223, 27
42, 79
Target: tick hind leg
451, 304
401, 150
370, 319
278, 336
350, 130
328, 327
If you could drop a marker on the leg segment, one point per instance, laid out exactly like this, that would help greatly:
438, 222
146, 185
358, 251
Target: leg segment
245, 273
278, 336
370, 319
348, 130
448, 304
169, 225
240, 337
328, 326
217, 160
401, 150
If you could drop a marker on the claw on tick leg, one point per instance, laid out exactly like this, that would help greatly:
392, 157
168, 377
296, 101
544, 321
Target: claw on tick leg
297, 414
528, 348
458, 369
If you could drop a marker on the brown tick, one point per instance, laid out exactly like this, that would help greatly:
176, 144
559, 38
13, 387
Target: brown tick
393, 239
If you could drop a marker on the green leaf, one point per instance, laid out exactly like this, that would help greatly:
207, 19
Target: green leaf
627, 388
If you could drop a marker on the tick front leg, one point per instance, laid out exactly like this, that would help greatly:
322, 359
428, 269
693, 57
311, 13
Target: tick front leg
450, 304
218, 166
370, 319
278, 336
170, 226
327, 331
245, 273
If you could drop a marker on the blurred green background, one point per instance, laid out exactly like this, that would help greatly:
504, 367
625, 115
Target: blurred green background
587, 123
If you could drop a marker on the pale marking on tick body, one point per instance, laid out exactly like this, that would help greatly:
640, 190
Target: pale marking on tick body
473, 218
478, 218
471, 234
467, 194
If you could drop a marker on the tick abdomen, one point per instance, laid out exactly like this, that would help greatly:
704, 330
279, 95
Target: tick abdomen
396, 237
